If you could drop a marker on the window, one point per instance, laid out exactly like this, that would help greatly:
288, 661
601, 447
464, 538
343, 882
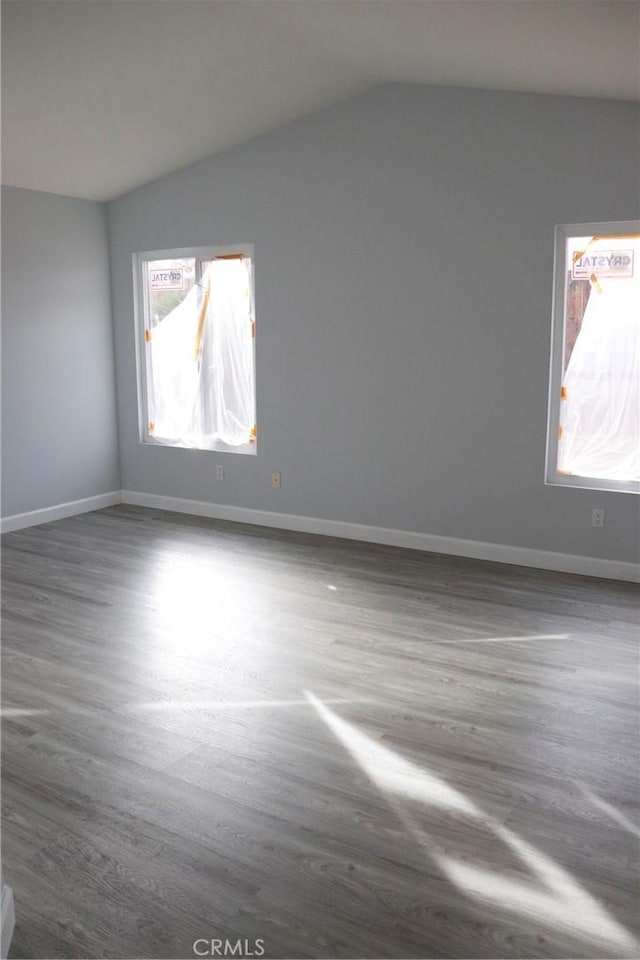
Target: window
196, 359
593, 435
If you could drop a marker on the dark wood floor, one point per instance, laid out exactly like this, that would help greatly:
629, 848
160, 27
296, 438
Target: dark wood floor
215, 731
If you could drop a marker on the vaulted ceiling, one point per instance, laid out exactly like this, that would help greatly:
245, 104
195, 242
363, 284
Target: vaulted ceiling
100, 96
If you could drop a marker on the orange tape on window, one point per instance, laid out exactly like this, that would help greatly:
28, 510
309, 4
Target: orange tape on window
563, 393
560, 432
148, 335
201, 322
577, 254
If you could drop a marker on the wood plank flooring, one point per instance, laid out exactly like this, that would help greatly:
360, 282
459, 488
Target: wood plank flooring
212, 731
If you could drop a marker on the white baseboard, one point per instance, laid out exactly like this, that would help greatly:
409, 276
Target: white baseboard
430, 543
7, 921
61, 510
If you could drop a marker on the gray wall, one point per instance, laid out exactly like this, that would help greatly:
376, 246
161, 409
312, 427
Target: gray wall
404, 248
59, 439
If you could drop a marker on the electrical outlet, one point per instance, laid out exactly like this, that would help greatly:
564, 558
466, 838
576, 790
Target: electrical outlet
219, 472
276, 480
597, 517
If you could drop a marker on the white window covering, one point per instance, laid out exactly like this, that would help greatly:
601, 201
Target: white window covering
600, 409
200, 370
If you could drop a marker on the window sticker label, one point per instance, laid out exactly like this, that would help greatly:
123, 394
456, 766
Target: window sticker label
604, 263
166, 279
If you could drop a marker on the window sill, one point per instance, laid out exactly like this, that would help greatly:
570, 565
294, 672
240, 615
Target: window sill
215, 446
576, 482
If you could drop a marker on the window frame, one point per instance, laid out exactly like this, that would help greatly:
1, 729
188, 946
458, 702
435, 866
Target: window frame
142, 354
563, 233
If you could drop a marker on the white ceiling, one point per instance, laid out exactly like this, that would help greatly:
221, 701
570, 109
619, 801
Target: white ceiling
100, 96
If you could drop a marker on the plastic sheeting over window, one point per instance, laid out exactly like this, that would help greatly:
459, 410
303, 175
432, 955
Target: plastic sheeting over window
599, 435
200, 362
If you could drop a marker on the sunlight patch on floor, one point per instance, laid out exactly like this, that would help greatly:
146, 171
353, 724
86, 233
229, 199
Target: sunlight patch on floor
526, 639
552, 897
390, 771
612, 812
558, 899
159, 705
